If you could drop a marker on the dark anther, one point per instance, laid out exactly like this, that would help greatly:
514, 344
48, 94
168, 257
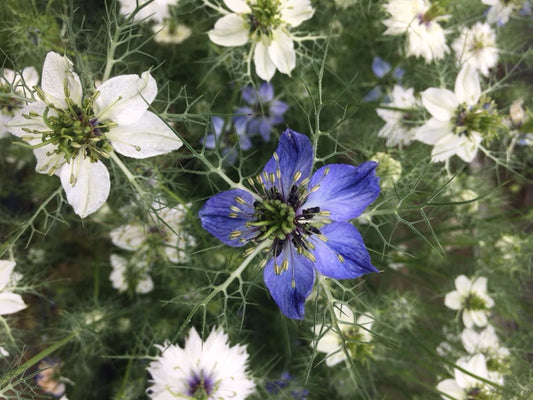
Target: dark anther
309, 212
257, 204
274, 193
277, 246
293, 197
298, 242
312, 229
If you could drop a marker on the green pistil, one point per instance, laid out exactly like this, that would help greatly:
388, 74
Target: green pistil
275, 220
481, 118
358, 349
473, 302
265, 17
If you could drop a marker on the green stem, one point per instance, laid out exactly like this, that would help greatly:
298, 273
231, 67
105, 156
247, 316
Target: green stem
131, 178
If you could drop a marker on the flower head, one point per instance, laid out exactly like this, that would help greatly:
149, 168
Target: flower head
302, 216
398, 130
156, 10
71, 133
487, 343
356, 335
225, 136
266, 23
170, 32
210, 370
472, 299
262, 112
456, 118
9, 302
500, 10
14, 87
477, 46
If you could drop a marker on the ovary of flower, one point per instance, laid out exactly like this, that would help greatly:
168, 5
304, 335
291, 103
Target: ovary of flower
397, 130
472, 299
9, 302
477, 46
353, 333
70, 132
448, 130
266, 23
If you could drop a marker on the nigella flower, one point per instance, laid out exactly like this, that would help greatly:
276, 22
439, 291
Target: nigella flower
262, 112
225, 137
155, 10
9, 302
398, 129
304, 218
266, 23
487, 343
500, 10
381, 69
70, 133
477, 46
210, 370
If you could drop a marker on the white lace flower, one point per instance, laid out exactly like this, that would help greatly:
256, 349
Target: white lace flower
9, 302
70, 133
156, 10
357, 335
451, 130
419, 19
465, 386
169, 32
477, 46
397, 129
14, 87
210, 370
472, 299
266, 23
500, 10
389, 170
487, 343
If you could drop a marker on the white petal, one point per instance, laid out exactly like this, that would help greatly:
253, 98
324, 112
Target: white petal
144, 285
344, 315
467, 87
467, 319
433, 131
294, 12
58, 75
264, 67
471, 340
467, 148
129, 237
148, 137
453, 300
238, 6
479, 285
463, 284
123, 99
335, 358
86, 184
11, 303
441, 103
479, 317
48, 162
446, 147
6, 268
30, 76
281, 52
450, 388
19, 122
229, 31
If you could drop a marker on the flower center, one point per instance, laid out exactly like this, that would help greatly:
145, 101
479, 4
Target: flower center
477, 393
200, 387
473, 302
481, 118
275, 218
265, 16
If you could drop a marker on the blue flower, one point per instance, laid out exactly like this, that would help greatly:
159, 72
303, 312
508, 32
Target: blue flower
304, 218
381, 69
263, 112
225, 138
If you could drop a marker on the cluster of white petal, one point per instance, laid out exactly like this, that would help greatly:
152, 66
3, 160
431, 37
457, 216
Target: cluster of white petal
9, 302
499, 11
485, 342
395, 130
164, 33
274, 49
330, 342
477, 46
122, 104
222, 366
156, 10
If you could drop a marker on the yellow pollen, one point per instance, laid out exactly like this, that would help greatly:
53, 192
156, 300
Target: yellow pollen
272, 178
326, 171
297, 176
276, 157
233, 215
240, 200
236, 209
293, 284
285, 265
235, 234
341, 258
314, 188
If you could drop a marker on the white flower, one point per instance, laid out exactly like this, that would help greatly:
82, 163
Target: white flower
356, 333
465, 386
487, 343
3, 352
125, 273
157, 10
389, 170
9, 302
448, 130
266, 23
397, 130
13, 87
70, 132
417, 18
171, 33
472, 299
210, 370
500, 11
477, 46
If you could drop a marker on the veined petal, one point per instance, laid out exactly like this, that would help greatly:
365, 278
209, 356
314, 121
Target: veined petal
238, 6
467, 87
11, 303
19, 124
147, 137
479, 317
468, 147
343, 190
343, 255
264, 67
281, 52
124, 98
291, 162
290, 288
6, 268
433, 130
86, 184
225, 216
48, 162
58, 77
441, 103
229, 31
294, 12
446, 147
463, 285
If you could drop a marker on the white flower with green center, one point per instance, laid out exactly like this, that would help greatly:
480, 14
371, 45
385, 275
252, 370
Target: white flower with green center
15, 88
487, 343
355, 334
266, 23
71, 132
9, 302
457, 118
477, 46
470, 298
398, 129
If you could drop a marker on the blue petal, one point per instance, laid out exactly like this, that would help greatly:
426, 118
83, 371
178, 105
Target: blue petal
290, 288
210, 141
220, 216
278, 108
266, 92
380, 67
374, 94
244, 142
264, 129
343, 190
398, 73
218, 125
343, 255
249, 95
253, 126
295, 159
